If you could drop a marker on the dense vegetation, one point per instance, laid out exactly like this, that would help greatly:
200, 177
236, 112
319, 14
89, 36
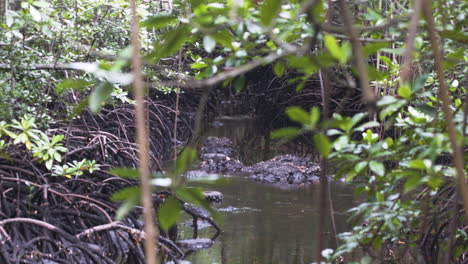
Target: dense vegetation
380, 87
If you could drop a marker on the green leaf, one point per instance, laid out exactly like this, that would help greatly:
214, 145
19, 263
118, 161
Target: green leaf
171, 42
127, 173
159, 21
224, 37
191, 195
341, 142
126, 208
71, 84
186, 158
239, 84
36, 15
417, 164
323, 144
412, 183
373, 48
377, 167
455, 35
126, 193
360, 166
286, 132
314, 117
209, 43
298, 115
279, 68
99, 95
268, 11
332, 45
169, 212
404, 91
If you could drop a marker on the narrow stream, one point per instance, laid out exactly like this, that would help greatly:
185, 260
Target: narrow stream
265, 224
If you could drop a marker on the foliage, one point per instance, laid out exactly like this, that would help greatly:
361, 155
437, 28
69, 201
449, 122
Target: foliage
46, 150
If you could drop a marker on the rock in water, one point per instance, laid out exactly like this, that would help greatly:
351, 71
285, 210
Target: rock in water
285, 169
195, 244
219, 145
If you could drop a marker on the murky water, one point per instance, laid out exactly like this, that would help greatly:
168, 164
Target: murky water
264, 224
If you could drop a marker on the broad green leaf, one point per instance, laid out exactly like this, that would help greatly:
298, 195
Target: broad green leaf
367, 125
125, 209
377, 167
127, 173
99, 95
455, 35
413, 182
417, 164
209, 43
159, 21
239, 84
224, 37
323, 144
269, 10
286, 132
186, 158
341, 142
71, 84
332, 45
404, 91
418, 84
373, 48
127, 193
314, 117
191, 195
298, 115
169, 212
170, 42
434, 181
36, 15
360, 166
279, 68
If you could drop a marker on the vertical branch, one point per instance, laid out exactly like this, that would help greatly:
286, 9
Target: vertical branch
324, 188
359, 59
444, 95
412, 31
177, 109
142, 141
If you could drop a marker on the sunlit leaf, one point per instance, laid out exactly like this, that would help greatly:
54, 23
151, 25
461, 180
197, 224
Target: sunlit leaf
159, 21
71, 84
377, 167
286, 132
297, 114
323, 144
209, 43
99, 95
269, 10
279, 68
404, 91
186, 158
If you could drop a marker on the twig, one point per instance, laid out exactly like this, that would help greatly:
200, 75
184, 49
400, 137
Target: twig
412, 32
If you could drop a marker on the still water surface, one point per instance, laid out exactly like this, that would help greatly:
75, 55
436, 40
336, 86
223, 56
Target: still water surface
264, 224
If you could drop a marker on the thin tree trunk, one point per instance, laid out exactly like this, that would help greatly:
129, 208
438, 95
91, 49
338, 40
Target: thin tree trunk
152, 234
444, 95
